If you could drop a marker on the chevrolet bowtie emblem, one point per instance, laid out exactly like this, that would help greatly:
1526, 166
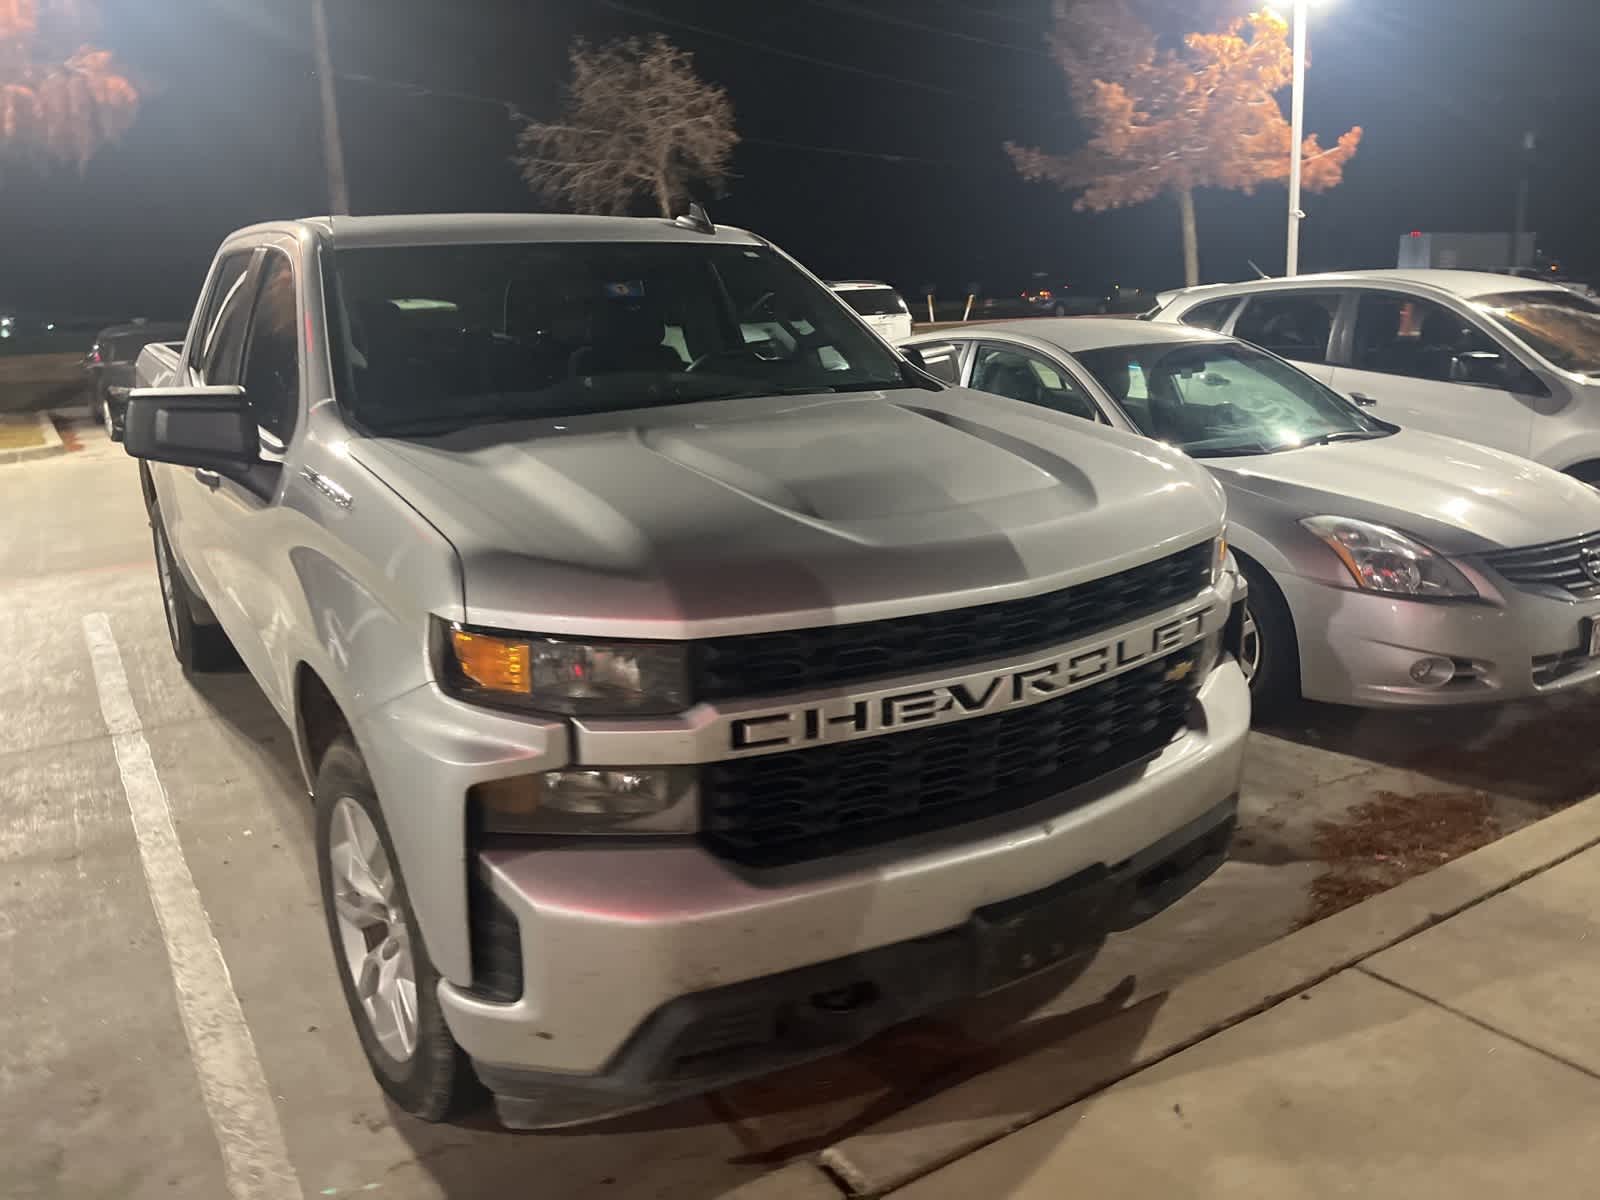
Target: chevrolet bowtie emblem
1180, 671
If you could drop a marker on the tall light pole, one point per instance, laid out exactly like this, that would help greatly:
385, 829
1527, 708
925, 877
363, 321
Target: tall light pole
332, 144
1297, 137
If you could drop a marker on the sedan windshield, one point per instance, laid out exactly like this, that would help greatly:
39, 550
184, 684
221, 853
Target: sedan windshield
1224, 398
434, 338
1561, 325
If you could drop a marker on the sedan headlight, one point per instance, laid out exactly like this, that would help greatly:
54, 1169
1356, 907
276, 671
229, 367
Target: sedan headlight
555, 675
1384, 560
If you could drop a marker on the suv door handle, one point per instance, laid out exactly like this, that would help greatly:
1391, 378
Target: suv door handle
1363, 400
210, 478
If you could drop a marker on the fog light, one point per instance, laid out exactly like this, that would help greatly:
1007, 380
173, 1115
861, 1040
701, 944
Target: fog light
579, 800
1432, 672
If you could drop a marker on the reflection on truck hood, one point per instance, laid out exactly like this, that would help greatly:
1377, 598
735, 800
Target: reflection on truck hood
1457, 497
750, 515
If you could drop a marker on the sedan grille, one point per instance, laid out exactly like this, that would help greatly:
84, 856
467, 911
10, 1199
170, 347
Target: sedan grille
1554, 564
763, 664
805, 804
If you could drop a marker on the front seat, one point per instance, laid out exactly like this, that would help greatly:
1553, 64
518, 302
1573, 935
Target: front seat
1013, 379
627, 338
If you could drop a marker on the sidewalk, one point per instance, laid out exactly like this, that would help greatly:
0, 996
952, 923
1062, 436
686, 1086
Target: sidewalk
1462, 1062
1439, 1040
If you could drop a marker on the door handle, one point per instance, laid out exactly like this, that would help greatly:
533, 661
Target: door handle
1363, 400
210, 478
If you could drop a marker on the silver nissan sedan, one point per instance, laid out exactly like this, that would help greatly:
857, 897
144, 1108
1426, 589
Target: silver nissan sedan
1386, 566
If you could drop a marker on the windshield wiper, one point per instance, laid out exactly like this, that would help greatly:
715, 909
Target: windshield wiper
1347, 435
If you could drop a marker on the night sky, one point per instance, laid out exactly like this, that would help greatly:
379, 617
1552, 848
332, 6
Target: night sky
228, 135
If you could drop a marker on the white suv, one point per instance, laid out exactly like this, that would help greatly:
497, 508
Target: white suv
1511, 363
880, 306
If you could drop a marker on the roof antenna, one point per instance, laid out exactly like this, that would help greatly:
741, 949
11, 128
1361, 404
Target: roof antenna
1260, 274
696, 219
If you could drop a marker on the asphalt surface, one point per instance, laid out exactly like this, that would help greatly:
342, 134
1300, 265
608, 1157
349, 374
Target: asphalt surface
161, 936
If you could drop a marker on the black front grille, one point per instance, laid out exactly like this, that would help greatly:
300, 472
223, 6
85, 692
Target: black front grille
769, 663
1554, 564
808, 803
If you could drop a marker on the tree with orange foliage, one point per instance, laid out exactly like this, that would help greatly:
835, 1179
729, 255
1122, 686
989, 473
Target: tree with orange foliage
61, 98
1171, 121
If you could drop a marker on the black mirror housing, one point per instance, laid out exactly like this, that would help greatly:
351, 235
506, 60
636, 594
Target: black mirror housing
209, 427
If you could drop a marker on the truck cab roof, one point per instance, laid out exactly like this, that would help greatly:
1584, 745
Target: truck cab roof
433, 229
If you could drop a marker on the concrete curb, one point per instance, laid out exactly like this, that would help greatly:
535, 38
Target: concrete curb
52, 444
939, 1128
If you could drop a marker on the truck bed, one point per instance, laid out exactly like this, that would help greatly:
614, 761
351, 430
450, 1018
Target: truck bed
158, 364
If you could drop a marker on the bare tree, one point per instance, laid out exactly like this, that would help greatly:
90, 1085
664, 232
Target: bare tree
638, 121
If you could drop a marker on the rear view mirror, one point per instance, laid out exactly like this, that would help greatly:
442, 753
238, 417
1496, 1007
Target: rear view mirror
210, 427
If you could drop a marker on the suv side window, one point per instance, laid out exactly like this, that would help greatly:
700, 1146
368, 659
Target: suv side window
272, 356
230, 276
1213, 314
1006, 371
1293, 325
1406, 335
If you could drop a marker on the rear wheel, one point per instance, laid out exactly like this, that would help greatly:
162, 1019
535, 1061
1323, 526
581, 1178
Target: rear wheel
1269, 652
390, 986
198, 647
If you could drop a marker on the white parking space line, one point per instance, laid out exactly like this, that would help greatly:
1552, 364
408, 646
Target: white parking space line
255, 1159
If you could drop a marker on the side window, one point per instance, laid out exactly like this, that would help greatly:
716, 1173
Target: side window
1213, 314
230, 274
942, 360
272, 355
1406, 335
1294, 325
1031, 379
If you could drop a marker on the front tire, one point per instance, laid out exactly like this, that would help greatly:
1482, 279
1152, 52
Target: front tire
390, 986
199, 648
1270, 653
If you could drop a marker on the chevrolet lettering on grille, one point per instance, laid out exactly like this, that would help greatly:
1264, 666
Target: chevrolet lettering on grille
1030, 682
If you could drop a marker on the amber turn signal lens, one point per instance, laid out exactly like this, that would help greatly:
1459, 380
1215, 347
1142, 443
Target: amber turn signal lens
498, 664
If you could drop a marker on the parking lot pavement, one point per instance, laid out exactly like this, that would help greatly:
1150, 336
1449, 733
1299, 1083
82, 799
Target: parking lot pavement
122, 1074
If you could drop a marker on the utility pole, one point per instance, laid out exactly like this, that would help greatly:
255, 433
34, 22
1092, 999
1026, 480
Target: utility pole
1529, 144
332, 144
1297, 138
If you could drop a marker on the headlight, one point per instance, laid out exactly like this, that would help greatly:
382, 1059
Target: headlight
1380, 559
589, 800
559, 676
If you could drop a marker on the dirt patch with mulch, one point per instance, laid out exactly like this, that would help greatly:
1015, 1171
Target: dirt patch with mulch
1392, 838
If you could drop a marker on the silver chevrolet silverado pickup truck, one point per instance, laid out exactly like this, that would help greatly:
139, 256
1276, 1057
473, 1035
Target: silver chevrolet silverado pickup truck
686, 683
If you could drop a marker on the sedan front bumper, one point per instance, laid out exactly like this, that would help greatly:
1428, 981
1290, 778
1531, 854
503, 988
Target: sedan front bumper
1360, 647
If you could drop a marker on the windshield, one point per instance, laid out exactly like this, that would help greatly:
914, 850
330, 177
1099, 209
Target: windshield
1220, 398
1561, 325
874, 302
433, 338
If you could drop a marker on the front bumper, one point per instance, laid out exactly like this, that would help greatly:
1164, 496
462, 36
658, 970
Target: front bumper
613, 934
1358, 647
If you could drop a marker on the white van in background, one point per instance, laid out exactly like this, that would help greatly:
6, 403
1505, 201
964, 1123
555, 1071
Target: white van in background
879, 305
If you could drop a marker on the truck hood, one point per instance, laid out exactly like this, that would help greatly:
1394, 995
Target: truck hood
1459, 498
750, 515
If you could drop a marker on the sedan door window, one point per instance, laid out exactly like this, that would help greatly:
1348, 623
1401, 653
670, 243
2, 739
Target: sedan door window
1032, 379
1293, 325
1212, 315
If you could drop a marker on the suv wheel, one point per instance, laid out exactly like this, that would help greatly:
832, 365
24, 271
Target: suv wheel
108, 420
389, 985
198, 647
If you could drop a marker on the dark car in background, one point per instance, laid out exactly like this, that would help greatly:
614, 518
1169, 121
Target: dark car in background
1050, 296
110, 364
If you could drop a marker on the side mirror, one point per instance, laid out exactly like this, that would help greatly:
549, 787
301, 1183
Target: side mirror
1486, 367
913, 356
209, 427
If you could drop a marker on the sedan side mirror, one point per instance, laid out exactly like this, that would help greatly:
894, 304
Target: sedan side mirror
210, 427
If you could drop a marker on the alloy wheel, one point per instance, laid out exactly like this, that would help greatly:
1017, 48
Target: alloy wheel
373, 936
1250, 646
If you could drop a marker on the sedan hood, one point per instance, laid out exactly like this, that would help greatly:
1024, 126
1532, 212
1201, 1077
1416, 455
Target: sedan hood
1459, 498
749, 515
